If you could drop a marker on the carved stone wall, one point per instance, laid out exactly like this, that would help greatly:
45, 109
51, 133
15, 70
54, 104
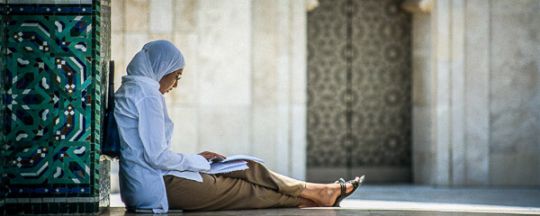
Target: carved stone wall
359, 90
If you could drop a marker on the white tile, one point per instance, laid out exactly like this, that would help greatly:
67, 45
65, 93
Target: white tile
161, 16
422, 135
477, 88
298, 52
117, 52
119, 71
133, 42
264, 134
515, 77
160, 36
283, 138
185, 16
298, 142
458, 92
224, 53
224, 129
441, 75
185, 135
136, 15
117, 15
265, 55
187, 92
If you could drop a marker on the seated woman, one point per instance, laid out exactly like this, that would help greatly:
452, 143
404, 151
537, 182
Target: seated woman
153, 177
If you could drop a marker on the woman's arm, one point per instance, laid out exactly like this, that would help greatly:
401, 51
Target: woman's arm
152, 135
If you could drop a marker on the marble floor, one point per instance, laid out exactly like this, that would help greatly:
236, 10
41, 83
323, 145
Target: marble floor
317, 212
404, 200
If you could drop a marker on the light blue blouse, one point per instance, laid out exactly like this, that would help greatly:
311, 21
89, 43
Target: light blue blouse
145, 135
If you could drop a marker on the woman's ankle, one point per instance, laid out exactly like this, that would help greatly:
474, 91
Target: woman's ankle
321, 194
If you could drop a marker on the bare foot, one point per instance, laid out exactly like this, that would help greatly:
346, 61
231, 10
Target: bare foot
336, 191
325, 195
306, 203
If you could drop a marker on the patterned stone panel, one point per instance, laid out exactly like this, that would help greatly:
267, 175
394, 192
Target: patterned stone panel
382, 83
104, 183
51, 82
326, 80
359, 78
104, 41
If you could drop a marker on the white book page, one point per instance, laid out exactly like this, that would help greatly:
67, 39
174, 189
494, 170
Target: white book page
232, 163
242, 157
231, 166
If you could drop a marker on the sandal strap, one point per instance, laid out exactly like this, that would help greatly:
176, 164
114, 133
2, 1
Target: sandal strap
343, 185
355, 183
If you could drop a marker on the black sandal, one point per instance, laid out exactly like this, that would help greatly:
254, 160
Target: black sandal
343, 185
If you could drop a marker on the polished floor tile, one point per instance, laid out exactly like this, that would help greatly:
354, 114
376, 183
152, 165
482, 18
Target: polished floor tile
405, 200
314, 212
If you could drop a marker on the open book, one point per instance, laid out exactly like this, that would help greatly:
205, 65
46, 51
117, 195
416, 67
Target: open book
232, 163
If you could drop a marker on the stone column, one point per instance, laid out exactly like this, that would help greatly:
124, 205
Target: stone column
450, 145
475, 159
279, 84
514, 93
224, 76
422, 150
478, 107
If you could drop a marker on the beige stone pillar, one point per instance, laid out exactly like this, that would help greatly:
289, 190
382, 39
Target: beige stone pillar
279, 84
450, 69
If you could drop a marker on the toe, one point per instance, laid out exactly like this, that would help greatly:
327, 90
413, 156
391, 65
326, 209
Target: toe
350, 186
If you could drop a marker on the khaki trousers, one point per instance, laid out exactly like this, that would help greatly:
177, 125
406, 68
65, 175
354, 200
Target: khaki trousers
256, 187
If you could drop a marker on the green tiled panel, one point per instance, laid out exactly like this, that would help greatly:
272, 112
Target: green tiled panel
54, 68
2, 66
48, 99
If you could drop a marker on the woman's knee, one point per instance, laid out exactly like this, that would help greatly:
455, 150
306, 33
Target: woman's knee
255, 165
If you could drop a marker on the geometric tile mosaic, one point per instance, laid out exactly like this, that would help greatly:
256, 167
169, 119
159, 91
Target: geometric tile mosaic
51, 88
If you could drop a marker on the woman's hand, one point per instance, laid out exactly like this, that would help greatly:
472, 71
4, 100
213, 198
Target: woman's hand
211, 155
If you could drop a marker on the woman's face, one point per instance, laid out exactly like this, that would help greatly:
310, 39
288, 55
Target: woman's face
170, 81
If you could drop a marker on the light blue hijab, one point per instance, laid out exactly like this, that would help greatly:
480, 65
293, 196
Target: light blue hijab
155, 60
